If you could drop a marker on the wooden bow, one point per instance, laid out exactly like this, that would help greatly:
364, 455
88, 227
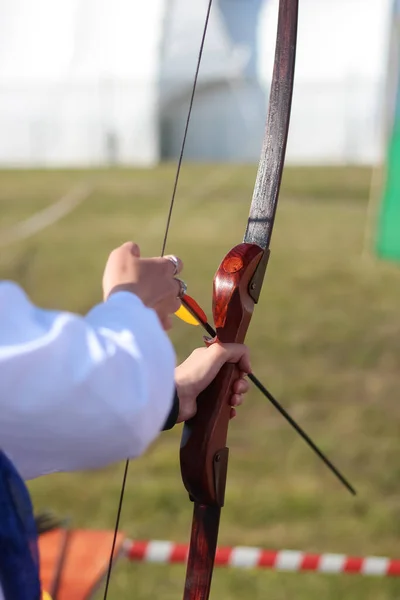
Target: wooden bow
237, 287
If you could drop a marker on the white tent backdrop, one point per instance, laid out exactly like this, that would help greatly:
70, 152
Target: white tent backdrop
79, 81
94, 82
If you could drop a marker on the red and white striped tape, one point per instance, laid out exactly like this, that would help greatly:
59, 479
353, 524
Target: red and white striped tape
283, 560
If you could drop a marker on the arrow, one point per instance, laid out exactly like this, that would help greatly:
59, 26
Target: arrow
190, 312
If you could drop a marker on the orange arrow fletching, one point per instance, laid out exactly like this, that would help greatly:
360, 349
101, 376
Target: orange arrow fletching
190, 312
194, 308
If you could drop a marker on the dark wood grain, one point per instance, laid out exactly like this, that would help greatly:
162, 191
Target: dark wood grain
203, 545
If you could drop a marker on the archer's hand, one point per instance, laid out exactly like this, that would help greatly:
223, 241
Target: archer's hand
199, 370
151, 279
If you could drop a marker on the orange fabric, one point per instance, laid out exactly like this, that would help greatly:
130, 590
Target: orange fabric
86, 560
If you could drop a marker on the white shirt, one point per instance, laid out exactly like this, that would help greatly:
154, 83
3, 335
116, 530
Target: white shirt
80, 392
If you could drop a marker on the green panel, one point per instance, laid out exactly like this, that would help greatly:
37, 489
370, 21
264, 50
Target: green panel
388, 238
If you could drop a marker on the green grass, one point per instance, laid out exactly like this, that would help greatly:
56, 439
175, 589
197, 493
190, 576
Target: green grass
325, 338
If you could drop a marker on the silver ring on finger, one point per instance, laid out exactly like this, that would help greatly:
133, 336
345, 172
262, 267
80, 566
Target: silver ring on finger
182, 287
174, 261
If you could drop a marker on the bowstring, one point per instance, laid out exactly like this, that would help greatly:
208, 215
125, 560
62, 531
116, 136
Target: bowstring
178, 169
167, 228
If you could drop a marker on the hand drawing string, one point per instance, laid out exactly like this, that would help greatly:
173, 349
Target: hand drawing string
171, 206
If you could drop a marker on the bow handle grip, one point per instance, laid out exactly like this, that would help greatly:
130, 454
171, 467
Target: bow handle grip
203, 453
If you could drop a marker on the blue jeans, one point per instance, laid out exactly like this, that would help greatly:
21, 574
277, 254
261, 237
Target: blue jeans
19, 556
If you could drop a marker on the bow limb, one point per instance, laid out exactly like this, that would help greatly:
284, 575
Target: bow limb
237, 286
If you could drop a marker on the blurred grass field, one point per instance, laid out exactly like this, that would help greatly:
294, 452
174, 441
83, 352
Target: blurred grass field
325, 338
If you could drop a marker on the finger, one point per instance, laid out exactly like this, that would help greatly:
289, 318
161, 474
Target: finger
233, 413
168, 306
166, 322
182, 287
216, 356
244, 362
133, 248
236, 400
241, 386
176, 303
173, 263
173, 289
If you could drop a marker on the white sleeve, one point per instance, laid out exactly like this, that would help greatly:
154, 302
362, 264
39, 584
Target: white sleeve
80, 392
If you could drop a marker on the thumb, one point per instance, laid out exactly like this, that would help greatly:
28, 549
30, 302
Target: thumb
133, 248
232, 353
